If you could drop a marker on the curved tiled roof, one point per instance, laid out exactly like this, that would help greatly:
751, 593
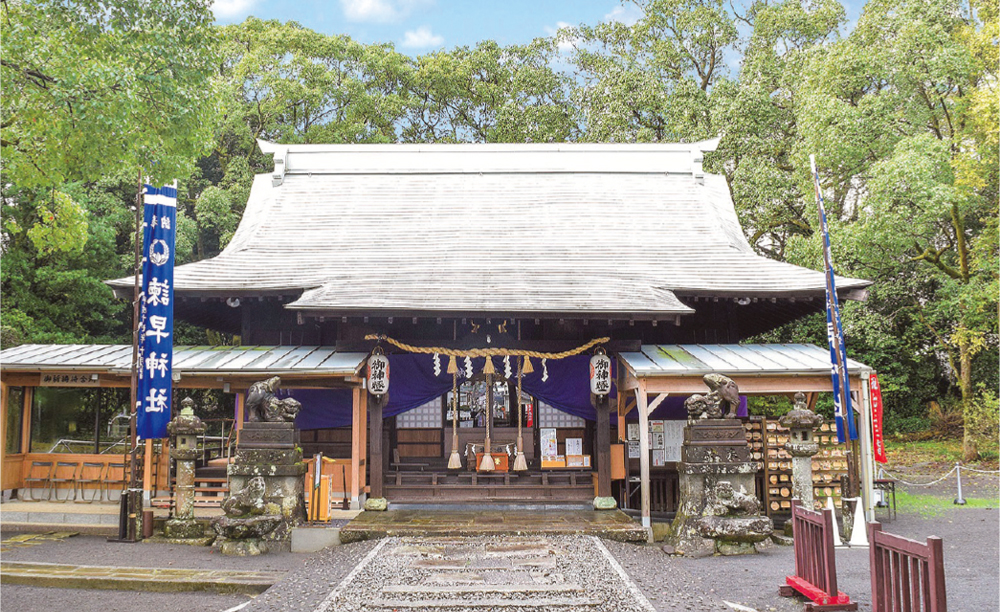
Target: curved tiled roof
493, 228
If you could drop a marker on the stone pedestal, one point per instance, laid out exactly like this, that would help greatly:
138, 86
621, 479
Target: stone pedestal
266, 491
719, 511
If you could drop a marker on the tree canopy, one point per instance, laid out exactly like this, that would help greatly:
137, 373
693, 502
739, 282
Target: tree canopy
900, 109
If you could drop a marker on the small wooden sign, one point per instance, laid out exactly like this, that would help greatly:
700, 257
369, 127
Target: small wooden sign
69, 379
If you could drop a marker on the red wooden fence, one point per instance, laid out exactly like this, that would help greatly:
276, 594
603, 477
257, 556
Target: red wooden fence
907, 576
815, 565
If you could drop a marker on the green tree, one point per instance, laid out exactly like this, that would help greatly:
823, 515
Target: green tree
912, 171
91, 85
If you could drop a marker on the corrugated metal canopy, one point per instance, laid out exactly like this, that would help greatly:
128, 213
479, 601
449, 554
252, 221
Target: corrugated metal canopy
731, 359
512, 229
188, 360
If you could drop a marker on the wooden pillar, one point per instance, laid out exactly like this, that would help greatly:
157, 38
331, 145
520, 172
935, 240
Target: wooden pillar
240, 399
3, 430
359, 435
375, 405
148, 485
641, 404
602, 443
28, 400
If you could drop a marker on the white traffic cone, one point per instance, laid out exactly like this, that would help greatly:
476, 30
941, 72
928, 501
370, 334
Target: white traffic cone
836, 529
859, 535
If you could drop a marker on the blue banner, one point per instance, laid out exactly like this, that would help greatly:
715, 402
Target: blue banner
842, 410
156, 307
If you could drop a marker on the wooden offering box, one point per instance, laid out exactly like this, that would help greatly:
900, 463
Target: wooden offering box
500, 461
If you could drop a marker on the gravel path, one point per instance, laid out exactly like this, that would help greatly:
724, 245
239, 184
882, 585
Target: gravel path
16, 598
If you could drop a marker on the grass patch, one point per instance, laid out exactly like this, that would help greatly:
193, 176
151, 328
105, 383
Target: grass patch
931, 505
947, 451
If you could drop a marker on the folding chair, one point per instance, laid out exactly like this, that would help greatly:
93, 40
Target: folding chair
115, 475
40, 473
90, 474
64, 474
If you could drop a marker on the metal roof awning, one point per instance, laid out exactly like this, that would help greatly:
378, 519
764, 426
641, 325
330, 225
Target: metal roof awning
188, 360
757, 368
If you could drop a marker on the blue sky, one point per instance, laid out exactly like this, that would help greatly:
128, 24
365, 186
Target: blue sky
419, 26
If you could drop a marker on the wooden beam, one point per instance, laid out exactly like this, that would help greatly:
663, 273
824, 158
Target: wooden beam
653, 405
749, 385
643, 452
147, 471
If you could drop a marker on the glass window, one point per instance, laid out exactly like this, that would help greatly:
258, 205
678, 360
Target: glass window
69, 420
15, 412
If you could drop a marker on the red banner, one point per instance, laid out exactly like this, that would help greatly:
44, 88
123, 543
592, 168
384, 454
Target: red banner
878, 444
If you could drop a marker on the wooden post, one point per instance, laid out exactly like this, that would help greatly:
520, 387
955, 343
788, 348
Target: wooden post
643, 451
147, 472
240, 399
27, 401
357, 447
3, 429
935, 575
602, 443
375, 405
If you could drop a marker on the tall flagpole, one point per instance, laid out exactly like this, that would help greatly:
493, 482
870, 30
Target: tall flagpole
129, 512
835, 334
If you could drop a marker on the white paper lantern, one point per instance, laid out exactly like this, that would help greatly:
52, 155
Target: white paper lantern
378, 374
600, 374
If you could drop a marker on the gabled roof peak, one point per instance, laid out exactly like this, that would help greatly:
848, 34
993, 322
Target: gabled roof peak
479, 158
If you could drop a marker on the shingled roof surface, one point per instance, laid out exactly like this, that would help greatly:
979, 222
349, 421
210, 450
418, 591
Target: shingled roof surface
492, 228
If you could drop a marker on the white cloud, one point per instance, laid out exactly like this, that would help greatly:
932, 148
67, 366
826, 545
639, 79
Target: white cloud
627, 15
566, 43
421, 38
228, 9
381, 11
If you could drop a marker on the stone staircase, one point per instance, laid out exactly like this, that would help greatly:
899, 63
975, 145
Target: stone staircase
453, 575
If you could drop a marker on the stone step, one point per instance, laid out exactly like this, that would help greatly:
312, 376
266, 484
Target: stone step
483, 589
563, 603
158, 580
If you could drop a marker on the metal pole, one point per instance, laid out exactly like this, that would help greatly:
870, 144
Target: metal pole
960, 501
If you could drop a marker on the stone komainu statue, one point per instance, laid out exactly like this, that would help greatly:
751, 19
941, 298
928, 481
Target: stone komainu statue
721, 401
262, 405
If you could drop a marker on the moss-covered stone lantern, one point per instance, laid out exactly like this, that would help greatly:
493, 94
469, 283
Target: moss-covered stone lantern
185, 429
801, 445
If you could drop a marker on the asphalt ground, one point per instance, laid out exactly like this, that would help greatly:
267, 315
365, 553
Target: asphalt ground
971, 547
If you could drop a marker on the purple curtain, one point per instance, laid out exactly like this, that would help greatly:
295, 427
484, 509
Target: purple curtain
412, 383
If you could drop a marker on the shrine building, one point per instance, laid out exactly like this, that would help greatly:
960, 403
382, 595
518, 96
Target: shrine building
456, 261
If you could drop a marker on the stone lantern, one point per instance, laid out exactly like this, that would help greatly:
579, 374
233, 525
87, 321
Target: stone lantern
185, 429
801, 446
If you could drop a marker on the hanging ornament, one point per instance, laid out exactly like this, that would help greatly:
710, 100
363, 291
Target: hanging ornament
520, 462
600, 373
527, 368
378, 373
488, 368
468, 367
506, 366
452, 365
437, 364
454, 461
545, 370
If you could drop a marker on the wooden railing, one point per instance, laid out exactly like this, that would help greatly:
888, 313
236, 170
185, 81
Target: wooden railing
907, 576
815, 563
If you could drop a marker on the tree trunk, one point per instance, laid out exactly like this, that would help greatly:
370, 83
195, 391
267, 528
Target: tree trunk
970, 450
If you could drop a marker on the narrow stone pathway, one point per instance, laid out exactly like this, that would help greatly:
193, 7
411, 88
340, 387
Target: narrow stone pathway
487, 573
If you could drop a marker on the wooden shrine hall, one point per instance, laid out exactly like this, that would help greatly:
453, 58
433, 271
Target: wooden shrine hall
485, 253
